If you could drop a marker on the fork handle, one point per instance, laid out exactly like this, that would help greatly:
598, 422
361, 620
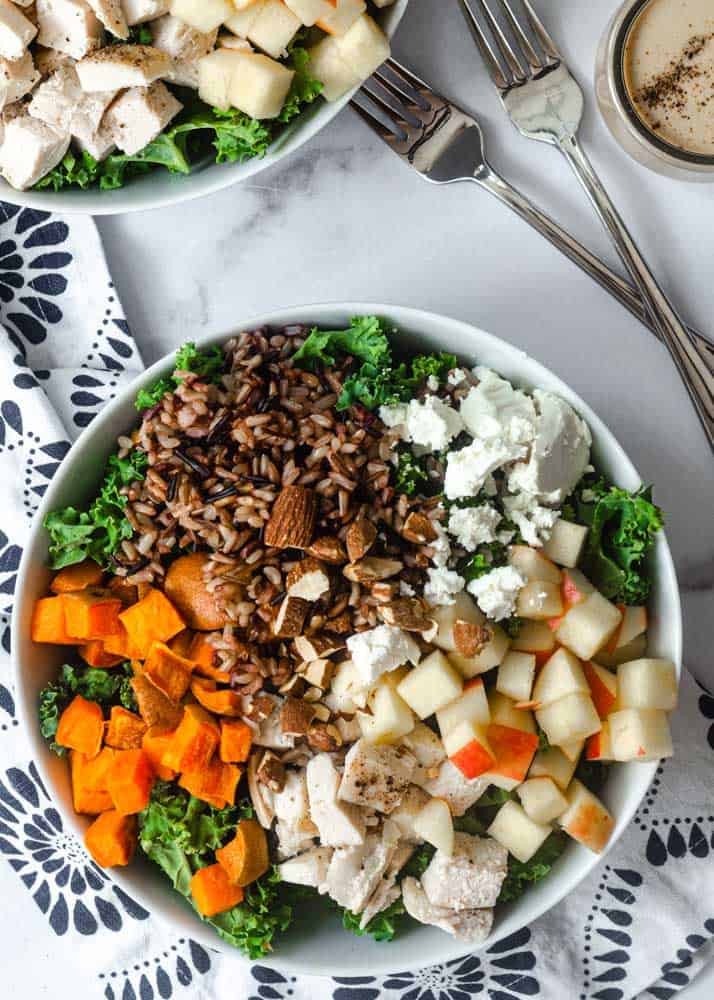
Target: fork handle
696, 376
580, 255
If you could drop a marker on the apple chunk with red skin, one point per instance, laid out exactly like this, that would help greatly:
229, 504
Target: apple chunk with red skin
505, 713
431, 685
464, 609
603, 688
561, 675
537, 638
516, 674
551, 763
470, 706
586, 819
468, 748
514, 751
517, 832
598, 745
647, 683
570, 718
542, 800
640, 734
588, 625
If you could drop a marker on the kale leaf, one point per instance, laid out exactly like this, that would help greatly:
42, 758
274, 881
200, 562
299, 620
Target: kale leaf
382, 927
107, 687
97, 533
304, 89
74, 170
208, 364
410, 472
364, 339
521, 874
436, 365
236, 136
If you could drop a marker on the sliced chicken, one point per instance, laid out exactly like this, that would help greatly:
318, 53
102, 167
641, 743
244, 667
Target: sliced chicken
17, 78
30, 150
472, 926
139, 115
59, 101
376, 776
119, 66
294, 838
427, 748
69, 26
309, 868
141, 11
471, 878
295, 829
355, 872
48, 60
339, 823
413, 801
8, 114
451, 785
387, 892
16, 31
270, 733
111, 14
185, 45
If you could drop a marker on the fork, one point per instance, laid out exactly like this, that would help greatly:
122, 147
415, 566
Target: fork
445, 144
546, 103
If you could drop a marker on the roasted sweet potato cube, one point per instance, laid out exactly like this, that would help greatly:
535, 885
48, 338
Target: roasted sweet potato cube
194, 742
152, 619
90, 791
111, 839
91, 613
212, 892
181, 643
125, 730
203, 653
236, 740
130, 780
48, 623
155, 743
77, 577
81, 726
245, 858
223, 702
95, 655
120, 644
168, 671
215, 783
154, 707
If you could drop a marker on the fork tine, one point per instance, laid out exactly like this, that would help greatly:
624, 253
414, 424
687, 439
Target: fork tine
395, 115
538, 28
522, 38
405, 75
374, 123
407, 96
517, 69
493, 66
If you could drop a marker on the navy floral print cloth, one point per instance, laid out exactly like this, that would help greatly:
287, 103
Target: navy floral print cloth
641, 925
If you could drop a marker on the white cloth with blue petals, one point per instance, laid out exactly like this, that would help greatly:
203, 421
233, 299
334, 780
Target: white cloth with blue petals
641, 924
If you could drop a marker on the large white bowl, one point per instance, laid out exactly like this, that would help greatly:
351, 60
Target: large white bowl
313, 947
160, 188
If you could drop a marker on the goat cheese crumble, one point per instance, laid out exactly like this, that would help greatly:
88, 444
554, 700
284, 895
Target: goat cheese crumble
496, 592
430, 424
381, 649
495, 409
474, 526
468, 469
534, 521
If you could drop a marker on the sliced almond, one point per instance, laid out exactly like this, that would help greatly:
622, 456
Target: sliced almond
324, 737
384, 592
408, 613
294, 686
296, 717
292, 519
371, 569
261, 707
271, 771
419, 529
329, 550
308, 580
341, 624
317, 647
259, 794
470, 639
322, 712
319, 673
360, 538
291, 618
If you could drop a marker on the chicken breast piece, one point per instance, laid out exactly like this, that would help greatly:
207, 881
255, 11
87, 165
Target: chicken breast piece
451, 785
472, 926
294, 838
68, 26
16, 31
185, 45
376, 776
30, 150
339, 823
141, 11
111, 14
139, 115
8, 114
471, 878
387, 891
412, 803
355, 872
17, 78
309, 868
59, 101
295, 829
119, 66
426, 747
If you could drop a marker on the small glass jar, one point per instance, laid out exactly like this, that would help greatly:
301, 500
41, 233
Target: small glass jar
620, 115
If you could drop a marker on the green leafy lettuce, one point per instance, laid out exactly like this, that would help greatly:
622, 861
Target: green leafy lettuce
364, 339
107, 687
521, 874
98, 532
410, 472
304, 89
208, 364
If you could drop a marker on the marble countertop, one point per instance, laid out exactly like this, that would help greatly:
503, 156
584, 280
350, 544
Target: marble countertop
343, 219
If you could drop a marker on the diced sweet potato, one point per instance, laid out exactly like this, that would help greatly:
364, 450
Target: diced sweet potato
186, 588
168, 671
130, 780
121, 645
81, 726
181, 643
111, 839
152, 619
194, 742
245, 858
77, 577
125, 730
95, 655
154, 707
223, 702
214, 783
203, 654
48, 623
236, 740
155, 743
90, 791
212, 892
91, 614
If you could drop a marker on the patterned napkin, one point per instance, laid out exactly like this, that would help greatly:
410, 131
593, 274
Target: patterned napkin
641, 925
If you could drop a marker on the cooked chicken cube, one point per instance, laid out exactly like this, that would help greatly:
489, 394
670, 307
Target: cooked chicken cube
294, 838
30, 150
185, 45
270, 733
227, 40
339, 823
295, 829
69, 26
139, 114
472, 926
119, 66
376, 776
48, 60
8, 114
16, 31
469, 878
309, 868
111, 14
413, 801
60, 102
141, 11
426, 746
387, 892
17, 78
99, 144
451, 785
355, 872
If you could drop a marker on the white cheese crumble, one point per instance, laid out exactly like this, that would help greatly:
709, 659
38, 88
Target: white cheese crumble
495, 409
405, 590
474, 526
381, 649
441, 585
497, 591
534, 522
430, 423
432, 383
468, 469
457, 376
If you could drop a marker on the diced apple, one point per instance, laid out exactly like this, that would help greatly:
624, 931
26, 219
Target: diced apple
274, 28
260, 85
490, 656
342, 15
392, 679
576, 587
347, 690
309, 11
431, 685
551, 763
517, 832
391, 717
539, 601
471, 705
328, 66
542, 800
534, 637
632, 651
464, 609
215, 75
572, 750
435, 825
561, 675
467, 748
504, 713
364, 46
500, 781
241, 19
514, 750
603, 687
566, 542
570, 718
633, 624
640, 734
647, 683
533, 565
598, 745
515, 675
586, 819
204, 15
588, 625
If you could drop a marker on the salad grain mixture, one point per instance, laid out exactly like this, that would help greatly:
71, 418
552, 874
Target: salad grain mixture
350, 628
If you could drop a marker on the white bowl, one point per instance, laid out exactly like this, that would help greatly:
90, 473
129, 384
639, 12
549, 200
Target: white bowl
159, 188
327, 949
